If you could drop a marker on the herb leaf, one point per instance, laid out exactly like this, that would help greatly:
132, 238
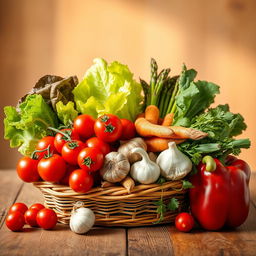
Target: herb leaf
186, 184
173, 204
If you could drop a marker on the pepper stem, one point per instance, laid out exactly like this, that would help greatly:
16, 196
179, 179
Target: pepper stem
210, 163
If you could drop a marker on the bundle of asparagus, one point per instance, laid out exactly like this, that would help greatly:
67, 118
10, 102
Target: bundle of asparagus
161, 90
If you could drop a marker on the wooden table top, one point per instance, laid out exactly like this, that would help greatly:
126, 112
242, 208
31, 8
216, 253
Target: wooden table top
161, 240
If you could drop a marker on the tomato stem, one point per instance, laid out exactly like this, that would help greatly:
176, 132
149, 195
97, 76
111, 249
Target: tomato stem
65, 135
35, 157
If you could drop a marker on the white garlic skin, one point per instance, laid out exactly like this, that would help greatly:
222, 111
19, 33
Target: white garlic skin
173, 163
81, 220
144, 171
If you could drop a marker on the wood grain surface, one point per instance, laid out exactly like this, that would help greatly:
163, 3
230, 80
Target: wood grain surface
160, 240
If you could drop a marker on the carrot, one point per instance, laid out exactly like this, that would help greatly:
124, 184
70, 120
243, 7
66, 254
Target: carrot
156, 144
168, 119
187, 133
152, 114
128, 183
147, 129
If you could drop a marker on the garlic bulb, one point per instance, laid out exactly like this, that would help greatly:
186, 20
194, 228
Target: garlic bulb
116, 167
126, 148
82, 219
144, 171
174, 164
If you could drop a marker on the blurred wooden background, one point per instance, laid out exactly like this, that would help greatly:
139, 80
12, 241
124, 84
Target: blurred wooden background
217, 38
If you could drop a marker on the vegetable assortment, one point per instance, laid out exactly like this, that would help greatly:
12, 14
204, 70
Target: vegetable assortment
109, 129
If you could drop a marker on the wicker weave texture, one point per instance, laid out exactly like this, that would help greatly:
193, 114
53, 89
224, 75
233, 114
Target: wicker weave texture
113, 206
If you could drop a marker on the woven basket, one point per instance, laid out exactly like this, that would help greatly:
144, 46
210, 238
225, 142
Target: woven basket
113, 206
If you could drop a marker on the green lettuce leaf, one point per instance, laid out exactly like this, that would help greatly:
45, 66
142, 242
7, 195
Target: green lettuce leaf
29, 124
109, 88
66, 113
193, 100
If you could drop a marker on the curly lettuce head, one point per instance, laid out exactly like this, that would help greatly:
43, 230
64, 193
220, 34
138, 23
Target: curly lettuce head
28, 125
109, 88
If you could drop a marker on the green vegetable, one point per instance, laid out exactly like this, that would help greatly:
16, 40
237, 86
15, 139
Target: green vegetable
66, 113
109, 88
173, 204
221, 126
29, 124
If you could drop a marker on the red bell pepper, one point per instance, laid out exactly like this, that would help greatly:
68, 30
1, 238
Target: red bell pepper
220, 196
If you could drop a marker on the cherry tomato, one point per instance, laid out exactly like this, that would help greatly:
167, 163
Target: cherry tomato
18, 207
100, 144
90, 159
27, 169
84, 126
46, 218
43, 144
129, 130
184, 222
37, 206
71, 150
52, 169
108, 128
15, 221
60, 140
80, 181
30, 217
70, 169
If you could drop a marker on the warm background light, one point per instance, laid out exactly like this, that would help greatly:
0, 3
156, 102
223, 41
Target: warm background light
217, 38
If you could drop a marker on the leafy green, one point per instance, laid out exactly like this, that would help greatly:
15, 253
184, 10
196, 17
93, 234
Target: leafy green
221, 126
193, 100
66, 113
109, 88
54, 89
29, 124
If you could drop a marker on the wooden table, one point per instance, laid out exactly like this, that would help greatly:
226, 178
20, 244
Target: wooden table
160, 240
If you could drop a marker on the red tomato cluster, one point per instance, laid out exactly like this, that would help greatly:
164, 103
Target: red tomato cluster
35, 216
74, 156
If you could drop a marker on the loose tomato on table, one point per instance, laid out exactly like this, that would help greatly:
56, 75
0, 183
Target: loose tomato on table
128, 130
84, 126
52, 168
18, 207
80, 181
37, 206
27, 169
71, 150
184, 222
90, 159
98, 143
15, 221
30, 217
60, 139
108, 128
46, 218
43, 145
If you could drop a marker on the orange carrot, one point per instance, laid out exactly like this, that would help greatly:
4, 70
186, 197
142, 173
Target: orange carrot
147, 129
156, 144
152, 114
168, 119
187, 133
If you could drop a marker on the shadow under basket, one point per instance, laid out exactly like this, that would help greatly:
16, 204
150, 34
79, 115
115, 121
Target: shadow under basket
113, 206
